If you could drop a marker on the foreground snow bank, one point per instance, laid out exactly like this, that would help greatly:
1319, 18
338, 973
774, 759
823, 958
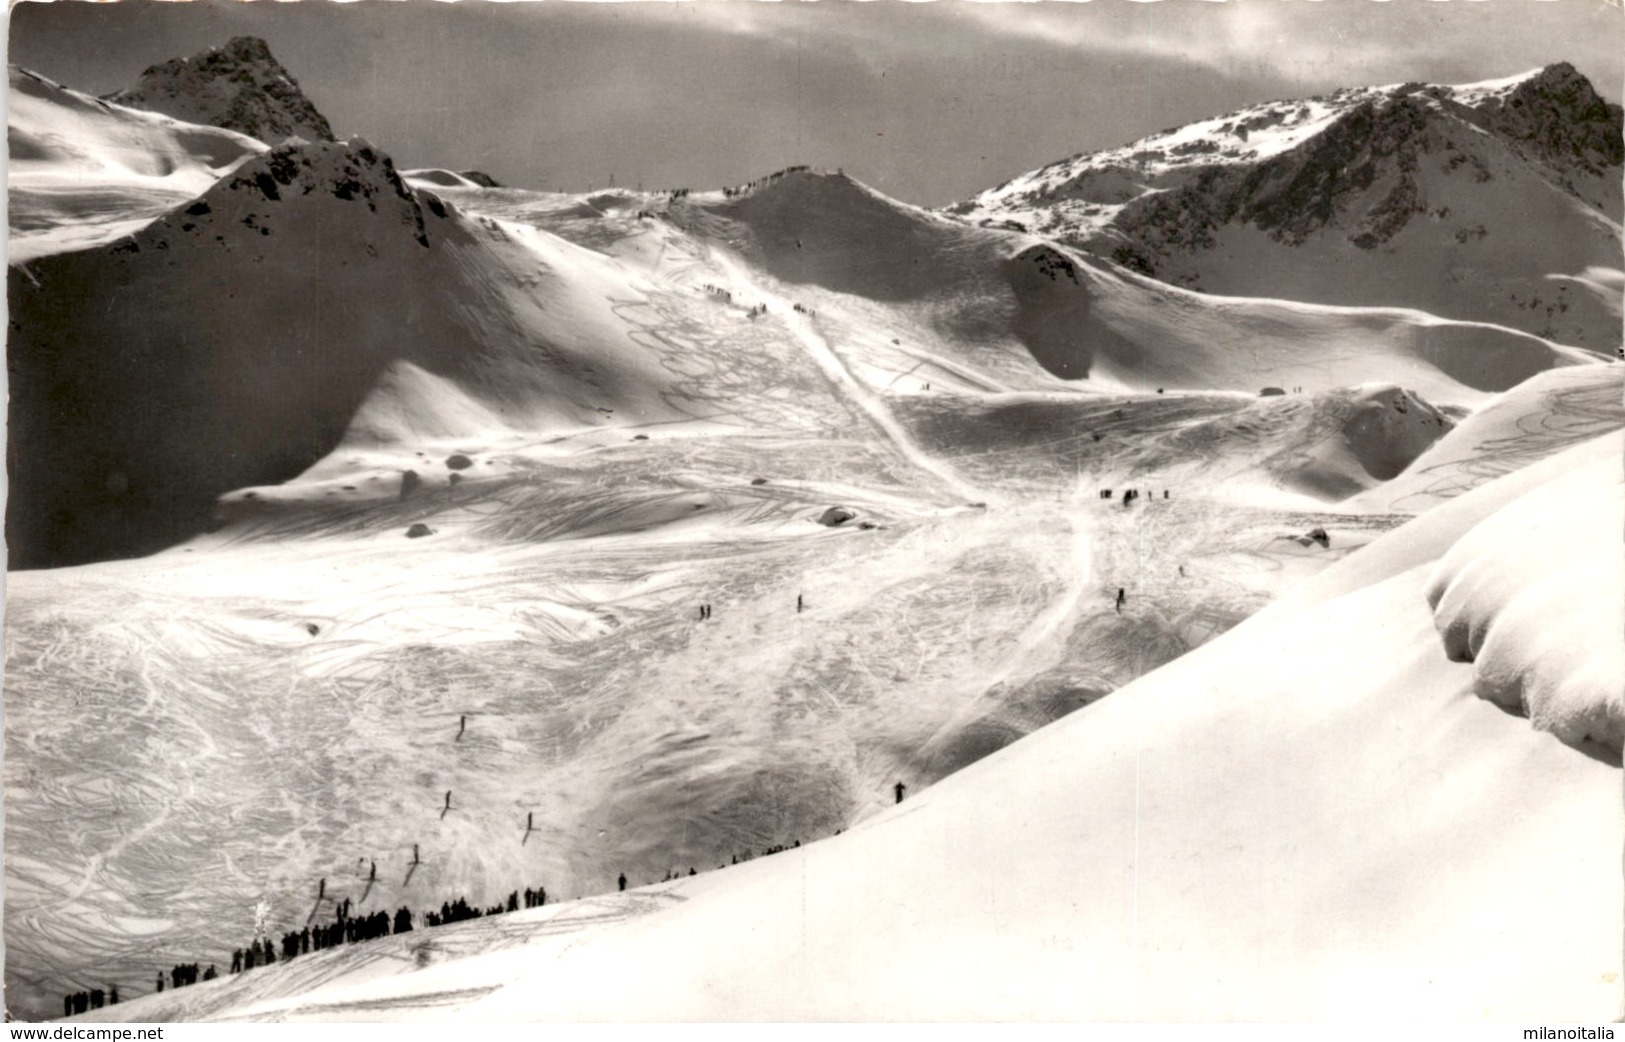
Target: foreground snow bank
1531, 596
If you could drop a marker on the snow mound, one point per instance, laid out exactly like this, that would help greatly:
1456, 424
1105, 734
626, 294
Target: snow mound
1531, 597
440, 178
832, 231
1538, 418
408, 404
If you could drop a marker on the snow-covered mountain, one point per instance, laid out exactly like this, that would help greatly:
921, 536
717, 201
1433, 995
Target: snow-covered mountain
239, 86
1495, 201
498, 538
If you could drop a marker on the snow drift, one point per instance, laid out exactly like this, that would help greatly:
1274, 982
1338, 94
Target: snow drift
1530, 596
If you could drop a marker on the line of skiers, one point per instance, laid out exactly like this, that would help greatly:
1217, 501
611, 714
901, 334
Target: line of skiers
95, 998
1131, 494
761, 182
459, 910
185, 973
347, 929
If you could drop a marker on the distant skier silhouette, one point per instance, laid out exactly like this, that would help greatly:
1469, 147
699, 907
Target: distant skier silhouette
414, 853
900, 788
623, 880
462, 725
1122, 598
798, 604
447, 807
374, 874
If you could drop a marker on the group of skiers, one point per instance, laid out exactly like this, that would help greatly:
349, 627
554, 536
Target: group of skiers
348, 929
95, 998
760, 182
459, 910
1131, 494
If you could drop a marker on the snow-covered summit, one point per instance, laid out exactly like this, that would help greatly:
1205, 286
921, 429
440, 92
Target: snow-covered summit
1101, 180
1426, 195
240, 86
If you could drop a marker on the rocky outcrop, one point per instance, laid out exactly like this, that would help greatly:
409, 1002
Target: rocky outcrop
240, 86
1558, 117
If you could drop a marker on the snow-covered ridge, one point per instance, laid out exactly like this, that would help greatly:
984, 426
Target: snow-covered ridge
1481, 202
1250, 134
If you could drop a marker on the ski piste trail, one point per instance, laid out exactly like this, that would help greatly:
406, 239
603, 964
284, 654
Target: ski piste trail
1077, 576
836, 372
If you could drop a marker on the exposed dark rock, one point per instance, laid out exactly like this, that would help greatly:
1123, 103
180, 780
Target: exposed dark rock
240, 87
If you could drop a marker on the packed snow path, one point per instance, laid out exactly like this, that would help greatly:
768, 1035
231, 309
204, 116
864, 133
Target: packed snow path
807, 334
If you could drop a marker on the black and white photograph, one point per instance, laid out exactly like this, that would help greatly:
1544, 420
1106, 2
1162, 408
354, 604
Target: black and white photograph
815, 512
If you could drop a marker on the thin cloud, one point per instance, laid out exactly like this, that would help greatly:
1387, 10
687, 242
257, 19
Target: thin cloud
1308, 42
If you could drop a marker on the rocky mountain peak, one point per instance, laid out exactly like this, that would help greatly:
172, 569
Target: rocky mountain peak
240, 86
1557, 116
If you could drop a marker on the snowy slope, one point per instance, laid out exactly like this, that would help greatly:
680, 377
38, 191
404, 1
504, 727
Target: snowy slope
1495, 202
1347, 835
83, 172
238, 362
476, 457
978, 291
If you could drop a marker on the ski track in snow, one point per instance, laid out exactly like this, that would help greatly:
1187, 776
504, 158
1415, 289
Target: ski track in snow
839, 376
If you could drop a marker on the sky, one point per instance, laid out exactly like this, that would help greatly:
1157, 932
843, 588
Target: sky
927, 102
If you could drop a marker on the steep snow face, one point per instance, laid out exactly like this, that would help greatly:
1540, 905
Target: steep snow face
83, 172
1477, 202
1530, 596
240, 86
